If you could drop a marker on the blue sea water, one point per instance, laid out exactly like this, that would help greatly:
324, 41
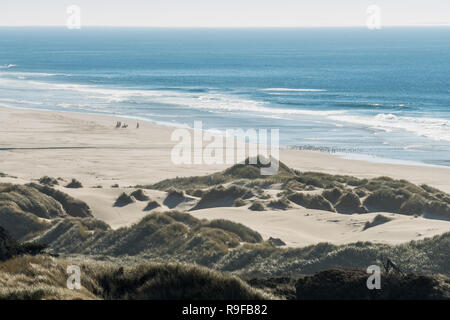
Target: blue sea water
381, 93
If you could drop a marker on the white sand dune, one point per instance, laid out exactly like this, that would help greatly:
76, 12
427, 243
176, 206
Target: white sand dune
301, 227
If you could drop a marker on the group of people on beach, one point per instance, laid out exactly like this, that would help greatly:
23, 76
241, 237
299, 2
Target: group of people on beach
124, 125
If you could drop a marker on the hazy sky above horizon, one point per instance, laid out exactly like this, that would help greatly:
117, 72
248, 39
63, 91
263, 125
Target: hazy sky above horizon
220, 13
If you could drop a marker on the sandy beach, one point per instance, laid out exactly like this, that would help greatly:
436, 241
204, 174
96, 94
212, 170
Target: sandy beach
89, 148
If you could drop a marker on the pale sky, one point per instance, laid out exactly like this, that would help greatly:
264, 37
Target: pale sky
224, 13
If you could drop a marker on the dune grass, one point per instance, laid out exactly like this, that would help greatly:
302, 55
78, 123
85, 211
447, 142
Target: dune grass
350, 284
20, 224
140, 195
349, 202
10, 248
145, 281
377, 194
311, 201
74, 184
282, 204
48, 181
379, 219
245, 234
222, 197
29, 199
152, 205
124, 199
239, 202
72, 206
257, 206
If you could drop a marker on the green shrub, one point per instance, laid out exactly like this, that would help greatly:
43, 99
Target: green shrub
314, 201
414, 205
72, 206
19, 223
222, 197
173, 282
139, 195
239, 202
123, 200
294, 185
360, 192
48, 181
30, 200
152, 205
245, 234
172, 192
257, 206
385, 199
195, 193
349, 284
282, 203
74, 184
437, 209
349, 203
379, 219
9, 247
332, 195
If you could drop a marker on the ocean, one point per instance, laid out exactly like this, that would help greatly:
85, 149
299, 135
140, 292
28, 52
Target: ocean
378, 95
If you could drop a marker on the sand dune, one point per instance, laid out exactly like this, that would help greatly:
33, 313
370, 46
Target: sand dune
300, 227
89, 148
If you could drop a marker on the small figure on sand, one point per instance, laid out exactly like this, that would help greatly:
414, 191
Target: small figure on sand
118, 124
124, 125
137, 125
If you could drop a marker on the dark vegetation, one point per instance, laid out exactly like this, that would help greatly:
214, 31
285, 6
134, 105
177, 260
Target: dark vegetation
152, 205
29, 199
222, 197
123, 200
173, 282
144, 281
74, 183
350, 284
72, 206
281, 203
170, 234
48, 181
23, 208
239, 202
349, 202
139, 195
175, 197
379, 219
311, 201
10, 248
257, 206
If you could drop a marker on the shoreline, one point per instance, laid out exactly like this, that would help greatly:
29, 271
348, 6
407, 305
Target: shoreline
342, 155
304, 160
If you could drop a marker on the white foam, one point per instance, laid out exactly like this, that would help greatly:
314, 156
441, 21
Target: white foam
8, 66
20, 101
211, 101
293, 90
30, 74
433, 128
